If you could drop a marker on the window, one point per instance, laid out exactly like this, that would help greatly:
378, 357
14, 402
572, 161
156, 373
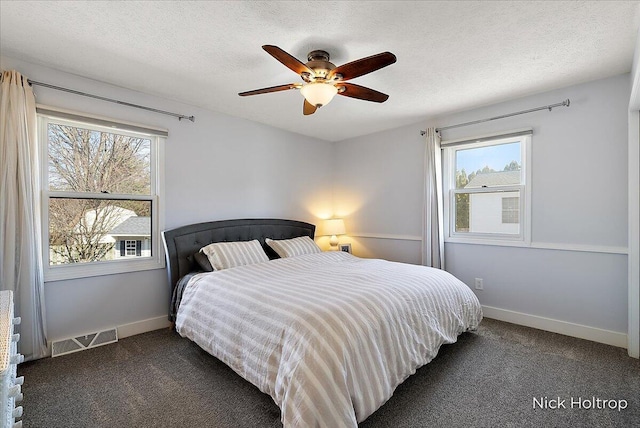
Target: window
487, 188
101, 187
130, 248
511, 210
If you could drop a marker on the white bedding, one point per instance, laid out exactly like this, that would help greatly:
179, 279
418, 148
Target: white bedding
328, 336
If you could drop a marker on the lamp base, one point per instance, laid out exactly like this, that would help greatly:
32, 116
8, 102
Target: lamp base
333, 242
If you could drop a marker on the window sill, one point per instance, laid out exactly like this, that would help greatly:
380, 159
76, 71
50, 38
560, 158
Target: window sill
585, 248
60, 273
515, 242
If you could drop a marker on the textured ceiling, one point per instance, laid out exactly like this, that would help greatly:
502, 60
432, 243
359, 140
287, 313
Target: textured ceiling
452, 56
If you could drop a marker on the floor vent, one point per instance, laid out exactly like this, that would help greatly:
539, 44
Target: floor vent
85, 341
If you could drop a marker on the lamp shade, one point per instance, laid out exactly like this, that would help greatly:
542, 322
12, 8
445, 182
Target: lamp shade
318, 94
334, 226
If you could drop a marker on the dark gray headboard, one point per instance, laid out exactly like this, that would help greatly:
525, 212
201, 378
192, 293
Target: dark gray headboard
183, 242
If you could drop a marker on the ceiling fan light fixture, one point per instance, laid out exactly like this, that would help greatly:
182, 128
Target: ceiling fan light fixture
318, 94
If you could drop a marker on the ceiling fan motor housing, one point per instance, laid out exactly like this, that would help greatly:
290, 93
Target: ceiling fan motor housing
318, 61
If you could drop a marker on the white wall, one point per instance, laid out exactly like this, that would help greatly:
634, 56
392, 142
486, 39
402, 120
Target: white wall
216, 168
578, 272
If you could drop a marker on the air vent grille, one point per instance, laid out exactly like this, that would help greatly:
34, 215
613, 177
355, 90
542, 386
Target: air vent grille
82, 342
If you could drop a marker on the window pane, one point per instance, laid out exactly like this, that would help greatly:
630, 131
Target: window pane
511, 210
497, 165
90, 230
462, 212
84, 160
485, 212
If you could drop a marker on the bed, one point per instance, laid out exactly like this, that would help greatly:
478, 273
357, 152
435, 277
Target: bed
327, 335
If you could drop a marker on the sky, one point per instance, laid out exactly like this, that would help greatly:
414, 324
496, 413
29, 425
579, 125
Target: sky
495, 157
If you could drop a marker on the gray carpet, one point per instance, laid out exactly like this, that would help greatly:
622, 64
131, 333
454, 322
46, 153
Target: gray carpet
487, 379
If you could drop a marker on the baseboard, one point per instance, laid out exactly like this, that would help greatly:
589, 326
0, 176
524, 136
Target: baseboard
143, 326
607, 337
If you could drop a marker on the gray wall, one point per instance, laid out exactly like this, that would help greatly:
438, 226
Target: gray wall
216, 168
576, 269
224, 167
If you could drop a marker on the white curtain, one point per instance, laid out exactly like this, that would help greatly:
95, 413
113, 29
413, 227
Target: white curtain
432, 224
20, 237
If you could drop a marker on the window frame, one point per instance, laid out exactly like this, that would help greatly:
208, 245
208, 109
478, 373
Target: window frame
45, 115
449, 149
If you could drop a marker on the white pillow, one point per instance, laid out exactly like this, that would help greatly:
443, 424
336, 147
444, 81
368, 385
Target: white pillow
225, 255
293, 247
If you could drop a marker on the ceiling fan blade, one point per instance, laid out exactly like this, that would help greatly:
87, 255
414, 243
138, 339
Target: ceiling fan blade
363, 66
270, 89
308, 108
362, 93
290, 61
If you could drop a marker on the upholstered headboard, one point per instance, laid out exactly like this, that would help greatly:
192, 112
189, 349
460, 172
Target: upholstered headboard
181, 243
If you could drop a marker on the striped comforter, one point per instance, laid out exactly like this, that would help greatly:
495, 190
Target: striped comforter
328, 336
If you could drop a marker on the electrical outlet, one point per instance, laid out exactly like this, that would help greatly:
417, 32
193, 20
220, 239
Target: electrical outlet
479, 284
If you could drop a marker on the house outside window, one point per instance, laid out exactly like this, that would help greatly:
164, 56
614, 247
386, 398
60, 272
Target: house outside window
101, 185
487, 194
132, 237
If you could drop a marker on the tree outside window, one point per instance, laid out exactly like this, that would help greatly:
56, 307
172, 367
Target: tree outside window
85, 167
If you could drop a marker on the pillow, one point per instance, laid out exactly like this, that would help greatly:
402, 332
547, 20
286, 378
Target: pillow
293, 247
203, 262
225, 255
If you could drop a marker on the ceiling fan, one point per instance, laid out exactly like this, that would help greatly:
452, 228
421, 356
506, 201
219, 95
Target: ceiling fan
323, 80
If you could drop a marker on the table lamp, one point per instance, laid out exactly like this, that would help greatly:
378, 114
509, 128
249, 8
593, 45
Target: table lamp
334, 227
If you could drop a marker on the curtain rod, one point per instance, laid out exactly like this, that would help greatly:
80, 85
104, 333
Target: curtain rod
111, 100
565, 103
